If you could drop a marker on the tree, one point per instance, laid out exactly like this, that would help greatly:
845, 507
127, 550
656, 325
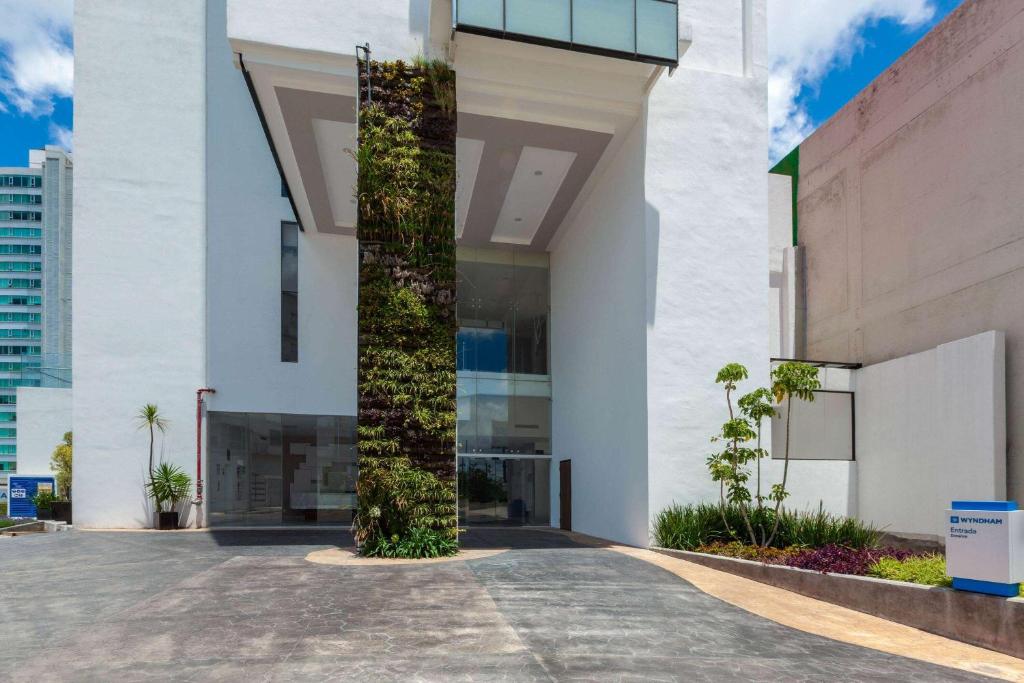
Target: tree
730, 467
149, 417
790, 380
60, 463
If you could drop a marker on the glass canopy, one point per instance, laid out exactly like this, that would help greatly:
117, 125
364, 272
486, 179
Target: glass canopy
642, 30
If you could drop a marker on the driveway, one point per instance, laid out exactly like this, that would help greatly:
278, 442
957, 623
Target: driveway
248, 606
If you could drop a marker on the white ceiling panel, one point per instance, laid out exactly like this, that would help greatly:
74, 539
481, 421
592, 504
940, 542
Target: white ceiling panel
538, 176
335, 141
467, 164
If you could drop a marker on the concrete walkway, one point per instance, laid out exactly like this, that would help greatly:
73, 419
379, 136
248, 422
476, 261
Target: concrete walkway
249, 606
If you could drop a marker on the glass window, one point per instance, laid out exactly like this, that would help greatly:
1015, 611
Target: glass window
289, 292
21, 232
21, 216
504, 389
18, 283
271, 469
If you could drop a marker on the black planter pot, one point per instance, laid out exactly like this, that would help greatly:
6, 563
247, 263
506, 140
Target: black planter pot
62, 511
44, 513
167, 521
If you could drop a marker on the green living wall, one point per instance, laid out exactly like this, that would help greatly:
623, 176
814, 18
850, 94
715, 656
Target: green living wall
407, 408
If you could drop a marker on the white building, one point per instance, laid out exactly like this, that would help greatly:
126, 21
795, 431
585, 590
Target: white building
35, 286
612, 223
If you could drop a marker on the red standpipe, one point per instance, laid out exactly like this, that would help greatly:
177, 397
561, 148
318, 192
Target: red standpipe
199, 453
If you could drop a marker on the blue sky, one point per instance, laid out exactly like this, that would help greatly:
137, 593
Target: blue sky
822, 53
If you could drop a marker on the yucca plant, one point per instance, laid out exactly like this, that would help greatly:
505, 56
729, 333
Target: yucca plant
168, 485
149, 417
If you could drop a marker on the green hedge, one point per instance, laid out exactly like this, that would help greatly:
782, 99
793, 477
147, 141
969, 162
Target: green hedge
407, 409
687, 527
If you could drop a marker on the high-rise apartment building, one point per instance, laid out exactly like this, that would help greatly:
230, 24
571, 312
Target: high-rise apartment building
35, 285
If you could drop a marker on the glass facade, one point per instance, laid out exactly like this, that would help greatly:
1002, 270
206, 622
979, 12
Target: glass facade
279, 469
21, 181
504, 387
21, 216
644, 30
21, 198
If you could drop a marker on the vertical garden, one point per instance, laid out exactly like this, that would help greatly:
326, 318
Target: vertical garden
407, 406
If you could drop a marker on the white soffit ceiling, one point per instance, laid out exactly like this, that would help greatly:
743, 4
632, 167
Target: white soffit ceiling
335, 141
467, 164
537, 178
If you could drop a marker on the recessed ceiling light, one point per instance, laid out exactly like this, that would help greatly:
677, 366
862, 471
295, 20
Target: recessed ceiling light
538, 173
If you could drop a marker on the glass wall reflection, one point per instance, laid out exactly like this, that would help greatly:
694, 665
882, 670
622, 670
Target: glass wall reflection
273, 469
504, 491
504, 389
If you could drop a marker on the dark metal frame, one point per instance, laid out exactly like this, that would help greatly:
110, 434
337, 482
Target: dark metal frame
839, 365
570, 44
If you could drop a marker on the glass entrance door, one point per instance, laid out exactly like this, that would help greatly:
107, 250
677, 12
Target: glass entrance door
504, 491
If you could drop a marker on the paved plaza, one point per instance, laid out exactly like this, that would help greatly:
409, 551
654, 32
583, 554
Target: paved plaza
247, 605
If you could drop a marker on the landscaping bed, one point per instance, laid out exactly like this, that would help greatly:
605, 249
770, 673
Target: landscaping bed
984, 620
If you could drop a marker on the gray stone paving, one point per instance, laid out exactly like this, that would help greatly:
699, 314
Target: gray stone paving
246, 606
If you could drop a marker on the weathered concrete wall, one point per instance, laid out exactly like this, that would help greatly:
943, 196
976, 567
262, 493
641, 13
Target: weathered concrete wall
910, 210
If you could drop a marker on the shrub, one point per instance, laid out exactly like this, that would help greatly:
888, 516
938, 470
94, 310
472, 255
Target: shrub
927, 569
819, 529
750, 552
686, 527
836, 559
417, 544
3, 509
43, 500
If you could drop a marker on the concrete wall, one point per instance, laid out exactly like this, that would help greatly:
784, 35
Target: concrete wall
706, 237
140, 245
243, 295
44, 415
598, 354
930, 430
910, 211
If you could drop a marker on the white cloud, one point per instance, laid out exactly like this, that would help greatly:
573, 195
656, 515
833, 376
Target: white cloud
36, 61
61, 136
808, 38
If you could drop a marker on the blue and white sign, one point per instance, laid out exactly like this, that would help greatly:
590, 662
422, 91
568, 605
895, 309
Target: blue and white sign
985, 546
21, 490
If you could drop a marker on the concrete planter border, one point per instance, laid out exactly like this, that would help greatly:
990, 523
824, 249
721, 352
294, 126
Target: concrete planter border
984, 620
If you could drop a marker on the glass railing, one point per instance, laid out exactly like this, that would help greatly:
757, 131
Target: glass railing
643, 30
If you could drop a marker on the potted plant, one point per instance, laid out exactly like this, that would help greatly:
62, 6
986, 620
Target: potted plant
168, 485
43, 500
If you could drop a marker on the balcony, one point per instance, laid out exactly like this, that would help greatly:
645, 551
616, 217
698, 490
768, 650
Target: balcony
640, 30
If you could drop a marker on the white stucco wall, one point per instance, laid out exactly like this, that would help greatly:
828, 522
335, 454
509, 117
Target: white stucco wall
597, 355
244, 211
931, 428
139, 234
706, 241
395, 29
44, 415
